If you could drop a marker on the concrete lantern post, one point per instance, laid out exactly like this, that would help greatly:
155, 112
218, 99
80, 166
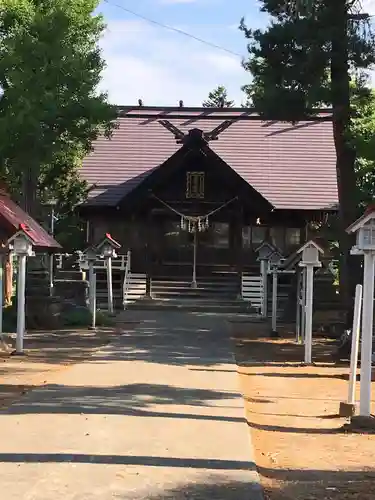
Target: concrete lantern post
264, 251
88, 259
22, 245
310, 252
107, 250
274, 262
364, 228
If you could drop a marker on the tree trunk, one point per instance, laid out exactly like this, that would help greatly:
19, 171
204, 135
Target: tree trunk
345, 153
30, 186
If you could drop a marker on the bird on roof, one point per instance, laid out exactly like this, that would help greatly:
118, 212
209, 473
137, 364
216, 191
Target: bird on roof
140, 102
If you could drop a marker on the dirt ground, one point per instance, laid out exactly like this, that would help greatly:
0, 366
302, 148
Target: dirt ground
303, 450
46, 353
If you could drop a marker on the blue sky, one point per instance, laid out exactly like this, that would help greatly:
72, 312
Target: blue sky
160, 66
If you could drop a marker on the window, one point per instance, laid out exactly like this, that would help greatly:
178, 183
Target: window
246, 237
252, 237
220, 233
195, 185
258, 235
173, 236
277, 237
292, 237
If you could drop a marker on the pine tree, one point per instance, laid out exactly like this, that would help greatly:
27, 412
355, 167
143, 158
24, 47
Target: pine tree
299, 64
218, 98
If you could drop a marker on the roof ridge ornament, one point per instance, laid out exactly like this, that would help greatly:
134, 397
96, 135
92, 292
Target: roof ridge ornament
181, 137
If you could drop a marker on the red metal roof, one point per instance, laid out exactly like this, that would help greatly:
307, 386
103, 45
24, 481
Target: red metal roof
13, 218
292, 166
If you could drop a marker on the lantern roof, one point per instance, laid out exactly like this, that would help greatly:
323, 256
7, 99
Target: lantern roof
24, 231
311, 243
266, 244
111, 241
361, 221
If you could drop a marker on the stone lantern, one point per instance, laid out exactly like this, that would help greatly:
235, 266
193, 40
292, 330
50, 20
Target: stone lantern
21, 244
88, 259
106, 249
274, 262
310, 258
264, 251
364, 229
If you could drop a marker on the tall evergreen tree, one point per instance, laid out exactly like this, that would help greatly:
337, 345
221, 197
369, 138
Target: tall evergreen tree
218, 98
303, 61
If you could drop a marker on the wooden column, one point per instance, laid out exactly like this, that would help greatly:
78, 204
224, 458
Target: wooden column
149, 239
238, 223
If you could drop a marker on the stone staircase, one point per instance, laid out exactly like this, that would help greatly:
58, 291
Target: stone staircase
215, 293
213, 287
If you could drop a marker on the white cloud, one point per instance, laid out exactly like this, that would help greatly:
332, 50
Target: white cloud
162, 67
368, 6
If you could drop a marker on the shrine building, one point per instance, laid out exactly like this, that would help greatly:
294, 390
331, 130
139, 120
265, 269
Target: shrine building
202, 188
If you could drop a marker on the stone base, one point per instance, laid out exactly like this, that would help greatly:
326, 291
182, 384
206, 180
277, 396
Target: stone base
347, 410
16, 353
363, 423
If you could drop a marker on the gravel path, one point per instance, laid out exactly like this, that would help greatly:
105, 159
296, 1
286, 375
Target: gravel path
155, 416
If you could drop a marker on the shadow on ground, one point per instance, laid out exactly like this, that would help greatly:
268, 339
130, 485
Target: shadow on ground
339, 376
198, 344
140, 460
301, 485
213, 489
134, 399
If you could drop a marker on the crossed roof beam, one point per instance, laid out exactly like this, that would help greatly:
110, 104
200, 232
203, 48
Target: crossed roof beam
181, 136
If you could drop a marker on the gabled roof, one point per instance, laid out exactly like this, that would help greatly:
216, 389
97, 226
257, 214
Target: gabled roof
361, 221
292, 166
108, 239
13, 219
311, 243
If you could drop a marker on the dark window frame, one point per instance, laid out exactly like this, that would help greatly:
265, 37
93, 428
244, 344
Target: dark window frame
195, 184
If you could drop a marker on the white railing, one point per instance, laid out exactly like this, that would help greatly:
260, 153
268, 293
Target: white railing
252, 290
126, 279
118, 262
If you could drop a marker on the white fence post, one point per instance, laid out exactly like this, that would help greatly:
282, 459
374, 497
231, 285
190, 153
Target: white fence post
367, 325
274, 302
347, 409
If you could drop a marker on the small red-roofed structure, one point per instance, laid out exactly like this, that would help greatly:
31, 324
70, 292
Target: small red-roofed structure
14, 219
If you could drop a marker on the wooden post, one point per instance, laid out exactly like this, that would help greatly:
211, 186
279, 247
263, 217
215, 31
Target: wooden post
347, 409
1, 291
274, 303
309, 313
194, 277
303, 306
21, 282
367, 325
8, 282
110, 285
298, 304
92, 293
264, 274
